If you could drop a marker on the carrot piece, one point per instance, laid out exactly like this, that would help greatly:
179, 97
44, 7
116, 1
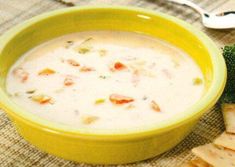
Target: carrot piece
41, 99
21, 74
119, 66
89, 120
73, 62
46, 71
86, 69
155, 106
120, 99
68, 81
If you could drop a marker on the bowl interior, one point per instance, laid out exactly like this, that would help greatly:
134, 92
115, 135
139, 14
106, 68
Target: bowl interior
45, 27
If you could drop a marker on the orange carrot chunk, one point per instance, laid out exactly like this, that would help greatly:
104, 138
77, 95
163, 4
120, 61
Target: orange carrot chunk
68, 81
46, 71
73, 62
155, 106
42, 99
120, 99
21, 74
119, 66
86, 69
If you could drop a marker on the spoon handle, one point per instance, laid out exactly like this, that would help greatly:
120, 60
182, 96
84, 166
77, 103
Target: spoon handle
190, 4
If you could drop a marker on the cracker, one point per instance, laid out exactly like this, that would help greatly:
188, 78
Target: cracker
229, 117
215, 156
226, 140
189, 164
197, 163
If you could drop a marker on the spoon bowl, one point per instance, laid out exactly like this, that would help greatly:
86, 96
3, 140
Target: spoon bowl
224, 20
219, 21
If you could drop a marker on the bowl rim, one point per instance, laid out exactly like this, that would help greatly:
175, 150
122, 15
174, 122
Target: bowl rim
193, 113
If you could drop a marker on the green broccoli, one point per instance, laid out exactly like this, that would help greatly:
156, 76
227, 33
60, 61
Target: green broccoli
228, 95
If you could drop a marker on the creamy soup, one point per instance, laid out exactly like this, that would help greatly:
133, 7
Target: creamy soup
105, 80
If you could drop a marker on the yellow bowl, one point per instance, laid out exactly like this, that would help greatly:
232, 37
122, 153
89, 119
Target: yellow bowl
110, 147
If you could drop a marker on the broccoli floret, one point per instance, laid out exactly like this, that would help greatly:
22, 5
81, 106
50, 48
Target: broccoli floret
228, 95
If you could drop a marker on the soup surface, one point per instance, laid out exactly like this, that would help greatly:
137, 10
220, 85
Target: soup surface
105, 80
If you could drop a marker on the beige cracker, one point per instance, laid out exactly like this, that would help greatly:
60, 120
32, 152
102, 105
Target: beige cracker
197, 163
226, 140
216, 156
229, 117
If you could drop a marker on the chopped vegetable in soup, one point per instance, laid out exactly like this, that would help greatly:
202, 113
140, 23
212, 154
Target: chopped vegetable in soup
105, 80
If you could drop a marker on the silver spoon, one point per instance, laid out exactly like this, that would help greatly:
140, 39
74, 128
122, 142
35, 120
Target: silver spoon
224, 20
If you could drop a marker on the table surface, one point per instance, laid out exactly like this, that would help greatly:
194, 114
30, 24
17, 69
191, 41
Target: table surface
15, 151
